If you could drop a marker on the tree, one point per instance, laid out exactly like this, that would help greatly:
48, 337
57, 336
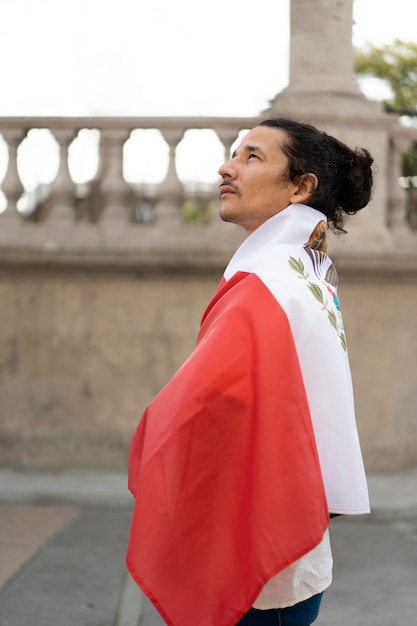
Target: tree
396, 65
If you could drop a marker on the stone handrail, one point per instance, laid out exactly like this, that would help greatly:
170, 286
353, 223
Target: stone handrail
113, 222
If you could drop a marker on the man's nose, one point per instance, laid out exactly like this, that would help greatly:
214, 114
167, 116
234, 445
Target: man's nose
227, 170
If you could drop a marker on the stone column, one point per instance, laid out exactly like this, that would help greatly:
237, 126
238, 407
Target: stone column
321, 55
321, 77
322, 91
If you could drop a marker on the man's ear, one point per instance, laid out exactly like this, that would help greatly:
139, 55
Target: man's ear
305, 188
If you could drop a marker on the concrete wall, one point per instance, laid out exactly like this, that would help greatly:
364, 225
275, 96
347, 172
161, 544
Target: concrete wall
81, 355
82, 352
381, 325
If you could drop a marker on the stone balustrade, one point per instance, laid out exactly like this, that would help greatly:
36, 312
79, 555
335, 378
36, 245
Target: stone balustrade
111, 219
103, 283
108, 218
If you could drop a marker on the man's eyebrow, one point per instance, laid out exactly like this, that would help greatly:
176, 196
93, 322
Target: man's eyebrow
249, 148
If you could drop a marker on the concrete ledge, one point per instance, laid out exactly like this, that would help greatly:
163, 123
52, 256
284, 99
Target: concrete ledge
393, 496
97, 488
184, 250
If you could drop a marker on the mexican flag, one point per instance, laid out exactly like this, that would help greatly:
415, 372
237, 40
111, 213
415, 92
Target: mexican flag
237, 462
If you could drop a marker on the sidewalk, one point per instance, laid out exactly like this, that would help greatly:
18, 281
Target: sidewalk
64, 537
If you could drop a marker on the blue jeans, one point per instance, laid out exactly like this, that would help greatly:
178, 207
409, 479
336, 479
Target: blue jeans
301, 614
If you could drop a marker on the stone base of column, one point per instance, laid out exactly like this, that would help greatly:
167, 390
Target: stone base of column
314, 106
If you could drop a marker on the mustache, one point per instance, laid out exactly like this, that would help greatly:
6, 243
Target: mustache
227, 183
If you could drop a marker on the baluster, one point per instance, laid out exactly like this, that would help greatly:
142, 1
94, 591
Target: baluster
397, 195
117, 195
227, 137
171, 191
63, 187
12, 185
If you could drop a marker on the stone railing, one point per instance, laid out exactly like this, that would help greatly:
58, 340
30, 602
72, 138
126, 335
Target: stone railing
103, 284
107, 218
136, 221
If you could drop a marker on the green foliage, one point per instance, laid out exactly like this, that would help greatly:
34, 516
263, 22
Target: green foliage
409, 164
197, 212
396, 65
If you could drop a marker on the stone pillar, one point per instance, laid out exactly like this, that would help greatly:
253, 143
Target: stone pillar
321, 56
12, 186
321, 78
322, 91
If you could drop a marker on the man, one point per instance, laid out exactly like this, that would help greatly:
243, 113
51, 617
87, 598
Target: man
239, 460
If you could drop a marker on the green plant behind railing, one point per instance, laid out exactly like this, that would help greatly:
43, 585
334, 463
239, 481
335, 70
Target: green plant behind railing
198, 211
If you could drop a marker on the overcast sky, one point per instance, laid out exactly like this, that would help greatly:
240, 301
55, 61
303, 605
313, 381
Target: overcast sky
153, 57
159, 57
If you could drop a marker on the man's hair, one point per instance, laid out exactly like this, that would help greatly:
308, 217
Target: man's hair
344, 175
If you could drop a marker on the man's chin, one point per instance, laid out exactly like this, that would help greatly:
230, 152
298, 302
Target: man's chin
227, 216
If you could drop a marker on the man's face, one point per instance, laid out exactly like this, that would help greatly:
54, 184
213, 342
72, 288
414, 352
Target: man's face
255, 185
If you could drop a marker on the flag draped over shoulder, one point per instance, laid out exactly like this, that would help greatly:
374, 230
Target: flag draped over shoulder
225, 465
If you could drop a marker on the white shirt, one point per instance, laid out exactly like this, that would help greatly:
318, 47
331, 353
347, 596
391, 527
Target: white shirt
301, 580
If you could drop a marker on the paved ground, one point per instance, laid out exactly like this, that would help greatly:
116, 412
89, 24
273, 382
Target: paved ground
63, 540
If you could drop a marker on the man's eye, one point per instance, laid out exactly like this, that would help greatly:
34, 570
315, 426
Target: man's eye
253, 156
